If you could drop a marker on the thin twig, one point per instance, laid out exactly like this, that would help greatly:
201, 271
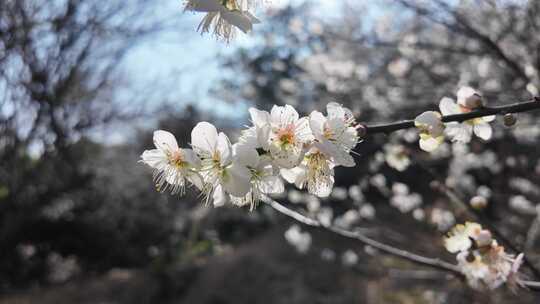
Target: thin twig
415, 258
525, 106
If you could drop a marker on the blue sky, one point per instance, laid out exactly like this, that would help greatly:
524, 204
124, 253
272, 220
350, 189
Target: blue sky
186, 63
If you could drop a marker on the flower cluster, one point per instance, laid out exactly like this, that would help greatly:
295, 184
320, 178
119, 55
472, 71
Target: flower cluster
280, 144
481, 259
432, 129
224, 16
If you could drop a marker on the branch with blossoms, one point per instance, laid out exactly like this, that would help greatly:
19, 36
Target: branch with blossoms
305, 151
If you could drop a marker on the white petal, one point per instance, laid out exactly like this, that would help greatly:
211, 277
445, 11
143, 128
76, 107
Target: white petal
302, 130
204, 5
271, 184
489, 118
224, 148
429, 144
283, 116
245, 155
428, 118
316, 123
286, 157
449, 107
219, 197
154, 158
296, 175
459, 131
238, 19
204, 137
335, 110
259, 118
468, 97
483, 130
165, 141
237, 180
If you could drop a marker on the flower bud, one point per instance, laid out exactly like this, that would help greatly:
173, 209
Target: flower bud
478, 202
509, 119
483, 238
469, 98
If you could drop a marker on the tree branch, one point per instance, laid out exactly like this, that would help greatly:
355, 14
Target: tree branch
412, 257
529, 105
409, 256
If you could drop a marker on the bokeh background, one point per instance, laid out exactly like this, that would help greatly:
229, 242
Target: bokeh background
83, 83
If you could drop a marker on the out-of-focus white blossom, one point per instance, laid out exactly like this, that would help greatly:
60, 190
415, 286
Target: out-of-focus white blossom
478, 202
397, 156
444, 219
403, 200
300, 240
431, 130
349, 258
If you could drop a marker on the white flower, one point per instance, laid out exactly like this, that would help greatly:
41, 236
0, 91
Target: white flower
316, 171
462, 132
280, 132
431, 130
459, 238
172, 165
221, 171
222, 16
264, 177
335, 134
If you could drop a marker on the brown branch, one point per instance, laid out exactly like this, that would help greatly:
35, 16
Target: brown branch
529, 105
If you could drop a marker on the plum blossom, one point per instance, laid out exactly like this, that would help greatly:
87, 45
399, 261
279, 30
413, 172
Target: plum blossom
431, 130
223, 16
264, 176
316, 172
281, 132
172, 165
220, 169
335, 134
481, 259
459, 238
468, 100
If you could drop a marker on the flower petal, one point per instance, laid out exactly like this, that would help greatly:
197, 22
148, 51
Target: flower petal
316, 123
271, 184
204, 138
449, 107
225, 149
283, 116
219, 196
238, 19
245, 155
483, 130
165, 141
237, 180
154, 158
461, 132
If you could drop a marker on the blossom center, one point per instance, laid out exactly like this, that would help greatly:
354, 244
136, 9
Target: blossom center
286, 136
176, 159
